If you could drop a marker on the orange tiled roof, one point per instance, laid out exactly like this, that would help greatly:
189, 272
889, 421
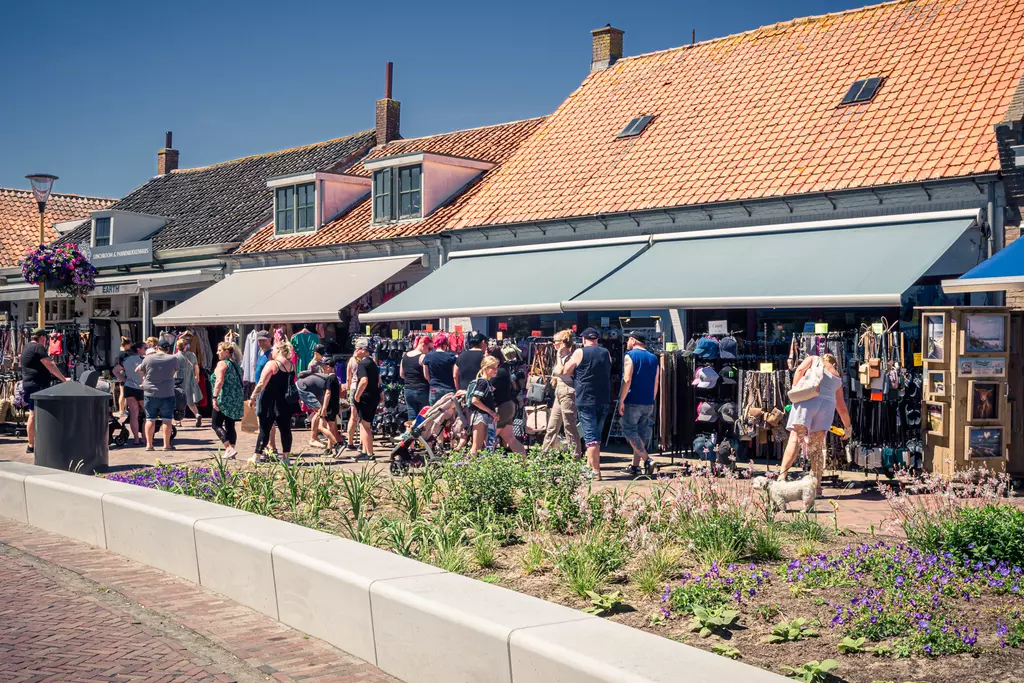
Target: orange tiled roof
19, 219
489, 143
755, 115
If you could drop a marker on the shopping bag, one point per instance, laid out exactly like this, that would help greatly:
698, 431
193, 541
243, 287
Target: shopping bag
250, 425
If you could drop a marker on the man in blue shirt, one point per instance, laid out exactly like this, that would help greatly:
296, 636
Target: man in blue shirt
640, 375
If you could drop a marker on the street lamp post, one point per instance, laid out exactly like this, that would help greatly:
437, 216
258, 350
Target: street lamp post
42, 184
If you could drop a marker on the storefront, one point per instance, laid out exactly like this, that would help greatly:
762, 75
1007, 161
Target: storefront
779, 291
131, 290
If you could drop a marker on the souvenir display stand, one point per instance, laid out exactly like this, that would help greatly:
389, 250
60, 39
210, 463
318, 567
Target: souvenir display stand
966, 355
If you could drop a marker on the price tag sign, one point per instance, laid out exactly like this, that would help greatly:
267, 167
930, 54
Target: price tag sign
877, 328
501, 335
367, 329
535, 333
395, 334
458, 329
605, 322
718, 327
918, 361
430, 328
671, 346
573, 328
767, 367
820, 328
503, 326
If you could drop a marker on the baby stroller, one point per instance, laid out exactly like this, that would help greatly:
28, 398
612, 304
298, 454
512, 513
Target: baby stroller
118, 433
437, 429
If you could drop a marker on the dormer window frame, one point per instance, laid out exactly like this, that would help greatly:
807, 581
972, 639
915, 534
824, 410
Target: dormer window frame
108, 239
398, 194
296, 207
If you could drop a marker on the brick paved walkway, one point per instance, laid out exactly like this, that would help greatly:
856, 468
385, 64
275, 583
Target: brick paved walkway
70, 612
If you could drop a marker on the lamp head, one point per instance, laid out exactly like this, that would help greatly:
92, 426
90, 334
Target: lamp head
42, 184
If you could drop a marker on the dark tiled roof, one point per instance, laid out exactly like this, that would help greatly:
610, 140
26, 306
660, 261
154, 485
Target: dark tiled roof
19, 219
225, 202
489, 143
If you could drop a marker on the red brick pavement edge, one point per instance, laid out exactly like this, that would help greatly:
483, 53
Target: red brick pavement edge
261, 645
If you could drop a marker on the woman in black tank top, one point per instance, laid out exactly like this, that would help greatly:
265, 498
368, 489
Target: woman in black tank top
417, 390
271, 402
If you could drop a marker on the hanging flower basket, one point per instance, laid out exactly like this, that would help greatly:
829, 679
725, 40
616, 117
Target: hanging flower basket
62, 268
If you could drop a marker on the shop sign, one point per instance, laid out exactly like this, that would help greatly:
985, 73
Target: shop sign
982, 367
767, 367
820, 328
718, 327
123, 288
367, 329
535, 333
503, 326
918, 361
395, 334
125, 254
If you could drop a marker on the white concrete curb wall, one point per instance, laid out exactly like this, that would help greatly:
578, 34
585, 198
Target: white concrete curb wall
414, 621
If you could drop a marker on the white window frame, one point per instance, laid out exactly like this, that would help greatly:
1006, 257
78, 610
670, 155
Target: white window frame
110, 230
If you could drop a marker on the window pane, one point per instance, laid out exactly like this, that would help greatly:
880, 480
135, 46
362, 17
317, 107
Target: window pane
307, 218
405, 207
102, 232
305, 207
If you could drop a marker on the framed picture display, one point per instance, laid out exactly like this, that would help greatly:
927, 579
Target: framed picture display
984, 442
984, 401
934, 336
984, 333
981, 367
936, 383
935, 418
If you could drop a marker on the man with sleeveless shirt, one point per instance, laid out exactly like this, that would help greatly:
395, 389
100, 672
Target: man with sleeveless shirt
640, 374
591, 367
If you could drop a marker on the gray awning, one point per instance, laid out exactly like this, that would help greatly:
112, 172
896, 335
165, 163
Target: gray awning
524, 282
861, 262
303, 293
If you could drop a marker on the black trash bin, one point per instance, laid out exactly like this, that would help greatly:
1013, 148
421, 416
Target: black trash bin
71, 428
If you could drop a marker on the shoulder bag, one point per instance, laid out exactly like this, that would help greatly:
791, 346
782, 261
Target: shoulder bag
809, 385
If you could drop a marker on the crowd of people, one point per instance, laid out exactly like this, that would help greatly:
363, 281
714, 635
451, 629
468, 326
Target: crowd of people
155, 383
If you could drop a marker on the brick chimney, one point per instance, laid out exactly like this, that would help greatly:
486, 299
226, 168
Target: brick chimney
166, 158
607, 47
388, 113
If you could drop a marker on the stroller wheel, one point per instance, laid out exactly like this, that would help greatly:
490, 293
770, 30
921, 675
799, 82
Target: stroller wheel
121, 440
398, 468
174, 431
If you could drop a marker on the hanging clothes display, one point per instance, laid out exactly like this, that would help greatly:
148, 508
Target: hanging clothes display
304, 342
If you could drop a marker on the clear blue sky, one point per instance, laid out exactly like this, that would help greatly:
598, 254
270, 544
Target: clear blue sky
87, 89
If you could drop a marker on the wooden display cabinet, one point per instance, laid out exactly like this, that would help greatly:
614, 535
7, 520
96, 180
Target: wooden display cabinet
971, 347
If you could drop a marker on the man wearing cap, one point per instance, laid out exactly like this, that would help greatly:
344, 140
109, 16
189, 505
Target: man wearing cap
468, 364
37, 373
591, 367
158, 371
640, 374
366, 397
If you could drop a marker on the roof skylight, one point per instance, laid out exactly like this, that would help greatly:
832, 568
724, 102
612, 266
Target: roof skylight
635, 127
861, 91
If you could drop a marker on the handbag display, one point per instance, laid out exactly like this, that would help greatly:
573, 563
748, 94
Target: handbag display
809, 385
537, 419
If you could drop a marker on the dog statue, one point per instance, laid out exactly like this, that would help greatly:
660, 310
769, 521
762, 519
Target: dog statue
781, 493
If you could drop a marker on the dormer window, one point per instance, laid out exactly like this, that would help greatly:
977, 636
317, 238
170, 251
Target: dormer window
101, 232
397, 193
295, 209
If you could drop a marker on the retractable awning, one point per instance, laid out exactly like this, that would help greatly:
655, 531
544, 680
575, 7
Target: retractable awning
858, 262
1003, 272
532, 281
300, 293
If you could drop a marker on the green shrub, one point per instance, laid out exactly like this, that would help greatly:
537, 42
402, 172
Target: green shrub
765, 543
992, 532
721, 535
488, 480
656, 569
